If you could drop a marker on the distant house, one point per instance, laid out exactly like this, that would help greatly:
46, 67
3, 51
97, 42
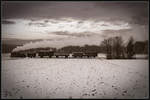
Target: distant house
141, 47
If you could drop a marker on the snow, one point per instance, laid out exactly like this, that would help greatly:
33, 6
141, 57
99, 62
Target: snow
73, 78
141, 56
101, 55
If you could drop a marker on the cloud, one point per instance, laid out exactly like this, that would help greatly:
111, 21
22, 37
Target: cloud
125, 33
60, 27
130, 11
82, 10
42, 9
7, 22
104, 25
141, 20
37, 24
122, 31
84, 34
90, 20
71, 25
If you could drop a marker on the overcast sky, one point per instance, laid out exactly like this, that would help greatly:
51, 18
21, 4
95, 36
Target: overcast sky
67, 22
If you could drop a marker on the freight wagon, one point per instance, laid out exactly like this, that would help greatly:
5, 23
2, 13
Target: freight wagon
31, 54
90, 54
61, 54
77, 54
43, 53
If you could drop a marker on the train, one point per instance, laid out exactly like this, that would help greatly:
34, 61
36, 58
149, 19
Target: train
50, 54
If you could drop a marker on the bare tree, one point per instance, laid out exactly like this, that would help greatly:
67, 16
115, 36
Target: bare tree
117, 47
107, 45
113, 47
130, 48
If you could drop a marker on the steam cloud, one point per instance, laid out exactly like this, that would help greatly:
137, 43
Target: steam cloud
31, 45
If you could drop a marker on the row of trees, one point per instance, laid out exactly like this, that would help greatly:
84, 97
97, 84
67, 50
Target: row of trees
116, 48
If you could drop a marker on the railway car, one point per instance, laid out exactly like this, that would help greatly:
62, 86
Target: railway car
31, 54
61, 54
43, 53
77, 54
90, 54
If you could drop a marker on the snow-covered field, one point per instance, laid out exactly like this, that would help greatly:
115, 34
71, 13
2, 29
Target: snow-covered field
73, 78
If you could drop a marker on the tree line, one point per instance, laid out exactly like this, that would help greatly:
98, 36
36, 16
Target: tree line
114, 47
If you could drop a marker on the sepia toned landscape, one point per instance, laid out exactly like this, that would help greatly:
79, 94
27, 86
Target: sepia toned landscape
85, 49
